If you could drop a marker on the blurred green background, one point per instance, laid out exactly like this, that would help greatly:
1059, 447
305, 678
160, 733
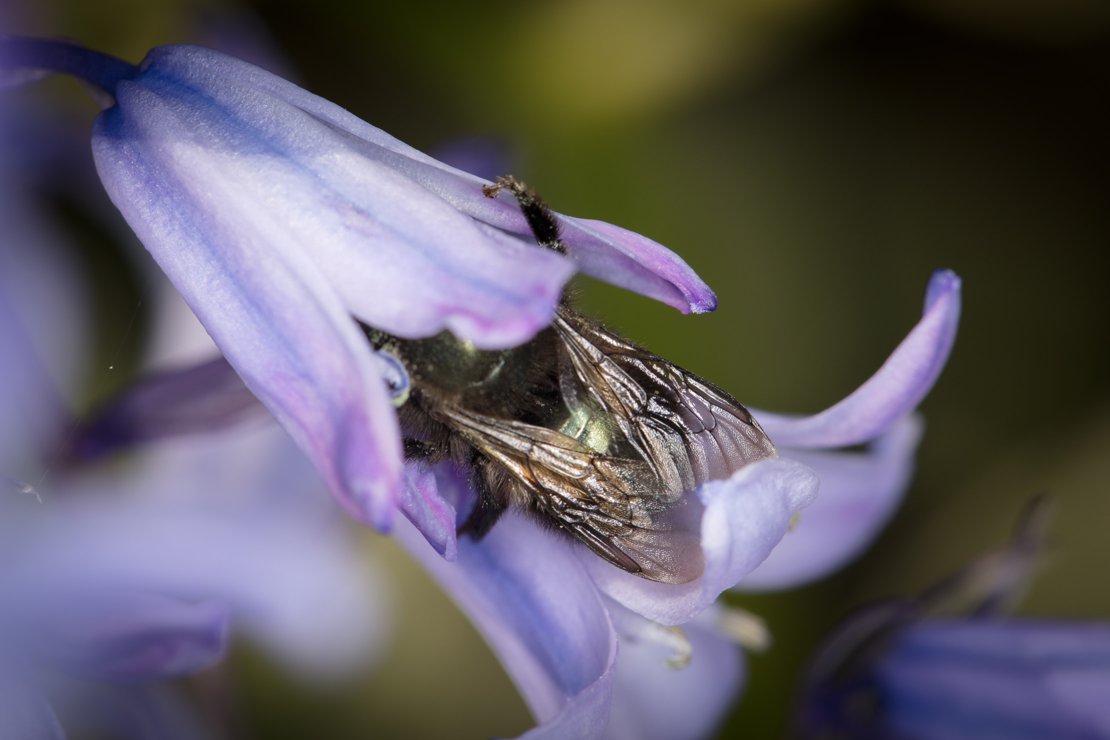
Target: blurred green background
814, 161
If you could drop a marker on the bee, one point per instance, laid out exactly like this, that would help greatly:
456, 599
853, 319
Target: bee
595, 436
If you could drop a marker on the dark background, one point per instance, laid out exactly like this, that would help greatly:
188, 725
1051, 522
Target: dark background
814, 161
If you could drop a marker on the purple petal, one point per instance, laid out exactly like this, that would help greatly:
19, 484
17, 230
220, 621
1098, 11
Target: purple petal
637, 263
526, 592
129, 636
602, 250
1082, 692
745, 517
243, 145
988, 678
584, 715
31, 410
250, 470
859, 493
327, 616
429, 510
310, 365
276, 228
654, 701
187, 400
612, 254
892, 392
291, 587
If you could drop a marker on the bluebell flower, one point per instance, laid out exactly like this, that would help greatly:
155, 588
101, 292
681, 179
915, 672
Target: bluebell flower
924, 669
281, 218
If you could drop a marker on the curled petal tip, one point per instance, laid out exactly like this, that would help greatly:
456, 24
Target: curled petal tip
637, 263
894, 390
941, 284
704, 301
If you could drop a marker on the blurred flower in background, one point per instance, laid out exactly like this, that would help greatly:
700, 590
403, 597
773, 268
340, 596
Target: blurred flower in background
921, 669
114, 581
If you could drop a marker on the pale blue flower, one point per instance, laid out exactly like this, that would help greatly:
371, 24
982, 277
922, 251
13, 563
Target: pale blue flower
281, 218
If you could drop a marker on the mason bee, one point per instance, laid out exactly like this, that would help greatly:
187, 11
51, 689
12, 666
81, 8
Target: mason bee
593, 434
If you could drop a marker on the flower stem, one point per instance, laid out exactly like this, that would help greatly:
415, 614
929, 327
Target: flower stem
21, 54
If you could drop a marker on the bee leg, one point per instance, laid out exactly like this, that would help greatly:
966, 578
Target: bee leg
418, 449
540, 219
487, 509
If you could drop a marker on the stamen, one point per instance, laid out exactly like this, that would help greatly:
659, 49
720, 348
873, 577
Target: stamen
744, 628
679, 643
635, 628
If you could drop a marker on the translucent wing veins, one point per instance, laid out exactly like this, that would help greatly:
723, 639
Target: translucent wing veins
689, 430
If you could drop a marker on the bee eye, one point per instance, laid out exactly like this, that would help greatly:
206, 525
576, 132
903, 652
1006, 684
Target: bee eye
396, 378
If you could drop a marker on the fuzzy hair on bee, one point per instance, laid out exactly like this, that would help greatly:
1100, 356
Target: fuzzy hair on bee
593, 435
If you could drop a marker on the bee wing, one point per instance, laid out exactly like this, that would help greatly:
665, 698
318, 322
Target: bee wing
606, 502
690, 430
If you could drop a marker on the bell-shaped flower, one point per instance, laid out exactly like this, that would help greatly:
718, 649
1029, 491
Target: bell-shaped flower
282, 218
